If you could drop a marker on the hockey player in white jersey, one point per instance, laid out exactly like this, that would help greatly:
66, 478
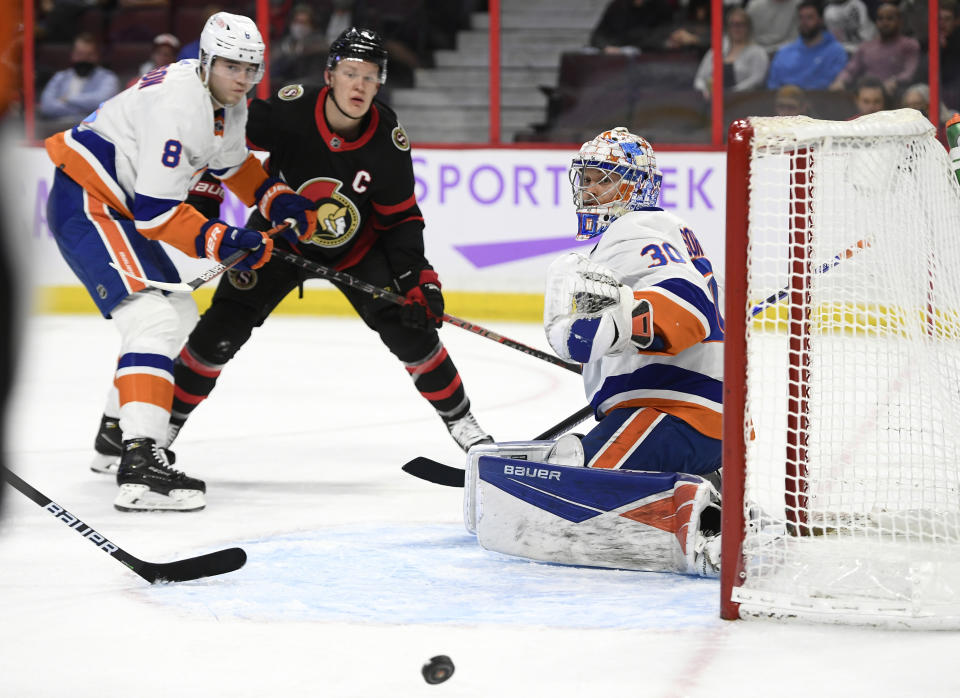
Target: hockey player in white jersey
641, 313
122, 177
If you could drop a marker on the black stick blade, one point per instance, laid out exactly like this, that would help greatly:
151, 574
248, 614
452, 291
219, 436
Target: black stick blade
209, 565
432, 471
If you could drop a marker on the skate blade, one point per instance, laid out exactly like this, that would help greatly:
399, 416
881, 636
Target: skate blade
141, 498
106, 464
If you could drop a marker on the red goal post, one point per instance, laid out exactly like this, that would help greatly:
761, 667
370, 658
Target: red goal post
841, 443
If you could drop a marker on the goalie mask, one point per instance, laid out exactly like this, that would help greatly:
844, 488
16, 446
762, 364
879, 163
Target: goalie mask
359, 45
613, 174
234, 37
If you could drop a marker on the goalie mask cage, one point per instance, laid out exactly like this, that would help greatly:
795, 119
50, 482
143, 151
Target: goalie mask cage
841, 456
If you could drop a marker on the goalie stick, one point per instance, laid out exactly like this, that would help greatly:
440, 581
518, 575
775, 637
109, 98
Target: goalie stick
449, 476
211, 273
208, 565
775, 298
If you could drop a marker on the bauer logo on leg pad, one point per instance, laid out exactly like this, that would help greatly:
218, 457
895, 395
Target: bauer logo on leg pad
526, 471
574, 493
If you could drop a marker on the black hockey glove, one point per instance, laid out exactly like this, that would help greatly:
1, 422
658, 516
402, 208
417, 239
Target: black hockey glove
423, 306
207, 195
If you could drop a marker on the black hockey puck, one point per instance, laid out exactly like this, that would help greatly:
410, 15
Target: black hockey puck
438, 669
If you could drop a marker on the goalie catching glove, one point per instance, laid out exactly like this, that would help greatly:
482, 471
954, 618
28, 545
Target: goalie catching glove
423, 302
277, 202
218, 240
588, 313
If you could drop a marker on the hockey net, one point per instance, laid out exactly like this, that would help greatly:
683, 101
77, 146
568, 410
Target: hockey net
842, 373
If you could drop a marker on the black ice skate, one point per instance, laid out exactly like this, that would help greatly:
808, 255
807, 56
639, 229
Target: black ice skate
466, 432
108, 445
148, 483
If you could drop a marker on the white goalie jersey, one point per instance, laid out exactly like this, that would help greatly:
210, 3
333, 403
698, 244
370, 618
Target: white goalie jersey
143, 149
647, 265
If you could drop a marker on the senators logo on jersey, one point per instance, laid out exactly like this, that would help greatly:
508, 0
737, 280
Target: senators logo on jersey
337, 216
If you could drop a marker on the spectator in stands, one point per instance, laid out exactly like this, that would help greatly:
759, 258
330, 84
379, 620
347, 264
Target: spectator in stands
950, 44
57, 20
77, 91
745, 62
814, 59
165, 47
849, 22
340, 19
790, 100
891, 57
870, 96
917, 96
631, 25
302, 52
774, 22
915, 19
694, 31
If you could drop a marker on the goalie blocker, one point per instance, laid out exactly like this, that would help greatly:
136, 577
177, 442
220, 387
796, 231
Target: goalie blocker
524, 499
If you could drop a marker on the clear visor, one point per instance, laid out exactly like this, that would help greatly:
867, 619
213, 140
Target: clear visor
251, 73
593, 186
350, 68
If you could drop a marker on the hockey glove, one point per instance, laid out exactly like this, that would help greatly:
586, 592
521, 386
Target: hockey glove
277, 201
423, 306
206, 196
217, 241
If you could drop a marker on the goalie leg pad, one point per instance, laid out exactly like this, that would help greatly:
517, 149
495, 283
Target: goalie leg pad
662, 522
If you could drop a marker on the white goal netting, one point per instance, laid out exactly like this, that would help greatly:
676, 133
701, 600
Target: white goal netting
852, 427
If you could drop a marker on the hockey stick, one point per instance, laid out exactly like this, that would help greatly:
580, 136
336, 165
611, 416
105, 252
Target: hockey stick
442, 474
775, 298
219, 562
376, 292
211, 273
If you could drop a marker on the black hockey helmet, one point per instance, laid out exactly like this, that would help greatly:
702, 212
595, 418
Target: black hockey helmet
359, 45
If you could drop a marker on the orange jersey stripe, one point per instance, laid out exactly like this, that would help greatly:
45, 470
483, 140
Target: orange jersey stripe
246, 180
145, 387
678, 327
75, 166
625, 440
704, 419
180, 230
115, 239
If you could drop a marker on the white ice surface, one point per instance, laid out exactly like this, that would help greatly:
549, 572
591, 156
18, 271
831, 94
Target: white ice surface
357, 572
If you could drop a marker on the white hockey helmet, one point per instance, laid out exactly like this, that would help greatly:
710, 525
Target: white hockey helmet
231, 36
629, 166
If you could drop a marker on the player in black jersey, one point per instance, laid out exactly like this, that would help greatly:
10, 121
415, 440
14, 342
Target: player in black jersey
337, 146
